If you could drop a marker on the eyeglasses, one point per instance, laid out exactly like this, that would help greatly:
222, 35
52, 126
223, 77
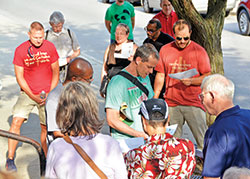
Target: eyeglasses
89, 80
121, 33
80, 78
201, 96
29, 52
149, 30
184, 38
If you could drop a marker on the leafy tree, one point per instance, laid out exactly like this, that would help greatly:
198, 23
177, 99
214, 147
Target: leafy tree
206, 30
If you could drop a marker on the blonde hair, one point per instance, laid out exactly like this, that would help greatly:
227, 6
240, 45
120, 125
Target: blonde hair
37, 26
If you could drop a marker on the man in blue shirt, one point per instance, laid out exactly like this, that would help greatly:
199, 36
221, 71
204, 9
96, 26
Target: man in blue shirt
227, 141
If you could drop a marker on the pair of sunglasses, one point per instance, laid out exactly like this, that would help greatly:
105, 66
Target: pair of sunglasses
149, 30
180, 38
29, 52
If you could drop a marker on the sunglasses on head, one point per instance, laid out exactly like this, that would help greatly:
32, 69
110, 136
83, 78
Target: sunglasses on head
180, 38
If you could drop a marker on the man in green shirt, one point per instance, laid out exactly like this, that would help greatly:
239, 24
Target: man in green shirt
122, 91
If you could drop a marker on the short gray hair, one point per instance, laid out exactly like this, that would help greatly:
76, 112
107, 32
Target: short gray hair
146, 51
56, 18
236, 173
125, 26
220, 84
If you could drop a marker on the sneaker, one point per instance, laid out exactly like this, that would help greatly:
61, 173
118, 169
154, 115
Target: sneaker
10, 165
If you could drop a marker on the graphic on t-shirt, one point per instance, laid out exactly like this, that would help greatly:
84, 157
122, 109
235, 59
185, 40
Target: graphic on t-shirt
180, 66
136, 96
123, 17
39, 57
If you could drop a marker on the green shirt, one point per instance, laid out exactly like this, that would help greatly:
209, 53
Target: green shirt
120, 14
121, 90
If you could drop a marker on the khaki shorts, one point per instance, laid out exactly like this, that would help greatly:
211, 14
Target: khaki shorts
25, 105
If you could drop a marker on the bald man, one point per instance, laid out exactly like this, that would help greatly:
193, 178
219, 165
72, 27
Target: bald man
78, 70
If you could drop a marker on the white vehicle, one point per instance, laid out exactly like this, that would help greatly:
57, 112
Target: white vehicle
200, 5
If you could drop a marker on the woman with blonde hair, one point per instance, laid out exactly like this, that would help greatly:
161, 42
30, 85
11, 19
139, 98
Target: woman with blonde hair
77, 117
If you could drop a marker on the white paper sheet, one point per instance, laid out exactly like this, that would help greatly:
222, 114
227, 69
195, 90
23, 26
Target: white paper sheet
126, 51
185, 74
171, 129
132, 143
62, 61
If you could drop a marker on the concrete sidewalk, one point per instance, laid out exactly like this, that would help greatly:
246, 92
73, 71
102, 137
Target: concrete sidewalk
13, 31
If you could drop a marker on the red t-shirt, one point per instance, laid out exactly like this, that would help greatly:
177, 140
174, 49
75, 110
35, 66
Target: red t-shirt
167, 23
174, 60
37, 70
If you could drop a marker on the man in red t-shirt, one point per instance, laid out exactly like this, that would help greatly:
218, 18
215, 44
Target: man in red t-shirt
182, 95
37, 71
167, 17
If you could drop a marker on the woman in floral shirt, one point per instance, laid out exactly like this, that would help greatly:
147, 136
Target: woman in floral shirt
162, 156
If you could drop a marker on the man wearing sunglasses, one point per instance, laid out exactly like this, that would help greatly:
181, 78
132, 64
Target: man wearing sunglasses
79, 69
182, 94
37, 72
157, 39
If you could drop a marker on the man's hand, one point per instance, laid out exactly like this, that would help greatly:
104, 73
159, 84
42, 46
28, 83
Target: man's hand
187, 81
114, 122
38, 99
142, 134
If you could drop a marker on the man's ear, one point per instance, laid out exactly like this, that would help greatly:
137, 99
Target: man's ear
73, 78
144, 123
29, 34
167, 123
137, 60
190, 32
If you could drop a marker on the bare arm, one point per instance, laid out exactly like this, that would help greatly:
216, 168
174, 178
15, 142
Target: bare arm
108, 25
19, 71
75, 54
159, 82
114, 122
211, 178
57, 134
133, 21
55, 74
104, 65
194, 81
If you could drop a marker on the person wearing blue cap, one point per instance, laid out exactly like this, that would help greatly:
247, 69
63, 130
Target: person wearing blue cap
162, 155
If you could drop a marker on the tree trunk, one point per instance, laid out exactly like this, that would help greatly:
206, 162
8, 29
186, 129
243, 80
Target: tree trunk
206, 31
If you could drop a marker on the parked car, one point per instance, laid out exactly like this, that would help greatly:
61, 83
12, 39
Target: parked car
200, 5
131, 1
243, 19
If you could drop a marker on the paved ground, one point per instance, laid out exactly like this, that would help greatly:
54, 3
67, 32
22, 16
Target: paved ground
86, 19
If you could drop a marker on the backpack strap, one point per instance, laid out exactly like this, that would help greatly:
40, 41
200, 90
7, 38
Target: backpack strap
134, 81
85, 157
46, 34
70, 36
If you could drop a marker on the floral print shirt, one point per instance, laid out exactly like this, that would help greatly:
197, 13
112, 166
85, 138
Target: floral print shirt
162, 156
